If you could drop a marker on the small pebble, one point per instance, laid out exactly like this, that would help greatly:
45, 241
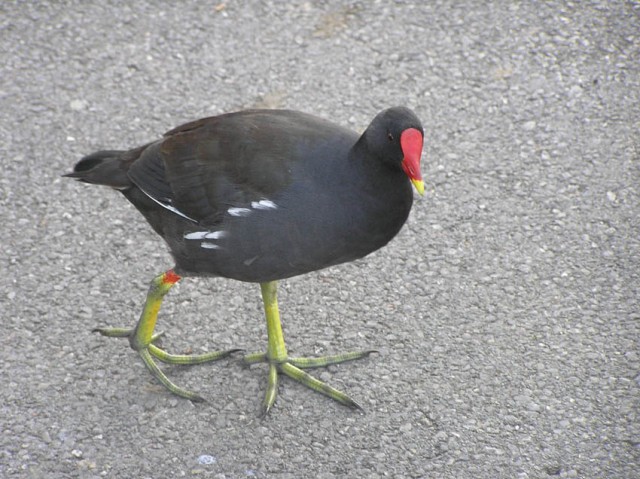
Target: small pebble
206, 459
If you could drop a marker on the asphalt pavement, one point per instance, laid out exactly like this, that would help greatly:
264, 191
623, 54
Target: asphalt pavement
506, 312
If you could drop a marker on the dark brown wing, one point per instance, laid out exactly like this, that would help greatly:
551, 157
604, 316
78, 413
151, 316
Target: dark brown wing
203, 167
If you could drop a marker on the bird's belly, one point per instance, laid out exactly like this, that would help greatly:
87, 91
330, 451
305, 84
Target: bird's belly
269, 246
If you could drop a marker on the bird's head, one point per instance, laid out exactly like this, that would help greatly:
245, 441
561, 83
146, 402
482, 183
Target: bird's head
397, 135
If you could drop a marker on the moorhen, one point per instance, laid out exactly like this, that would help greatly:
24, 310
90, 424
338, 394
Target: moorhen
259, 196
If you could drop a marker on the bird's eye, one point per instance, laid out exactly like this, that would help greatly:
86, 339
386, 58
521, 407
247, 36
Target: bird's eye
390, 136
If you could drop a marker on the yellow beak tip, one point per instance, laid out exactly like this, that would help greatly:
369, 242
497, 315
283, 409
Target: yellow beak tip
419, 186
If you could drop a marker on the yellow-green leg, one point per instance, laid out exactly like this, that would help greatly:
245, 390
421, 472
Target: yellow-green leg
279, 361
141, 338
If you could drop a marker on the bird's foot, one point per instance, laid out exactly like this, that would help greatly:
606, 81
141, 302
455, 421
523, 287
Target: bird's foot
293, 367
149, 351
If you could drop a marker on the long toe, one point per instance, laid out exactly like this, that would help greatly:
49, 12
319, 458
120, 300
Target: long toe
189, 359
150, 351
165, 381
318, 386
324, 361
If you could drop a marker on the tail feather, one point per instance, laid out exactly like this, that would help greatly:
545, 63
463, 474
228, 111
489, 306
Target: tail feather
107, 168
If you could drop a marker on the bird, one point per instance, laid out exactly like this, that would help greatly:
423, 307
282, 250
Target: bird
258, 196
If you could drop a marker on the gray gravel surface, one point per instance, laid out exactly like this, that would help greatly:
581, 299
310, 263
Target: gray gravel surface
506, 312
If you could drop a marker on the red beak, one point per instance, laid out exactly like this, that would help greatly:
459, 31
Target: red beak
411, 144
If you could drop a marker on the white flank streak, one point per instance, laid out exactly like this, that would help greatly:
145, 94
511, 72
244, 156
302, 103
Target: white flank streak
169, 207
197, 235
239, 211
215, 235
206, 245
248, 262
264, 205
